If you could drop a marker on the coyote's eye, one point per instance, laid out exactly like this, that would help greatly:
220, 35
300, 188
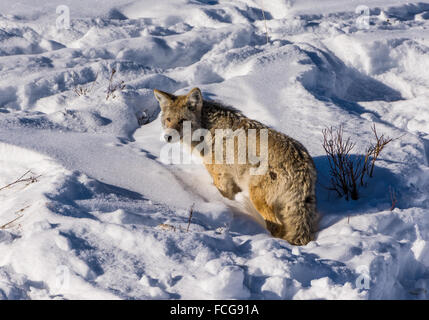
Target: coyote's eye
168, 119
181, 121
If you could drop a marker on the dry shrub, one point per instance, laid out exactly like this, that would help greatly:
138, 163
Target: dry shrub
112, 87
83, 91
348, 173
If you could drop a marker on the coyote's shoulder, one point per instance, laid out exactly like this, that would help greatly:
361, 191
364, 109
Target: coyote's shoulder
217, 115
284, 193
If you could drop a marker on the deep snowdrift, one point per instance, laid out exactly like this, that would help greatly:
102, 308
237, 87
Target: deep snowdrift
107, 218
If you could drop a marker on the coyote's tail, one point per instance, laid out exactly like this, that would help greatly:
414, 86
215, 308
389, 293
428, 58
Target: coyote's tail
300, 222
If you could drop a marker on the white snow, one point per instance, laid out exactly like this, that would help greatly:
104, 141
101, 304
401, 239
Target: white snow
107, 219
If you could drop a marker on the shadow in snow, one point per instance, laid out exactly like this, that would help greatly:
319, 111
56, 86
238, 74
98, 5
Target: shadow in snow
374, 193
343, 85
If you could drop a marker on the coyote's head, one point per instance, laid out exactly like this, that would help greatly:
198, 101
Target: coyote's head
175, 110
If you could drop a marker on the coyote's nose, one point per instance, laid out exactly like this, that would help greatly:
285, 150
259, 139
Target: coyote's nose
168, 137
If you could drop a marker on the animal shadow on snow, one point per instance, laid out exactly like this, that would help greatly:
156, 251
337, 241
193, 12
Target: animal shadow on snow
78, 199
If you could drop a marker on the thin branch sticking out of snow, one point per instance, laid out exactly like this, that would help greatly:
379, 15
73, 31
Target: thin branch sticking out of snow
30, 180
20, 215
191, 211
112, 88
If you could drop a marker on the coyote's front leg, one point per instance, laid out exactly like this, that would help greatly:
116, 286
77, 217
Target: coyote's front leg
223, 181
257, 196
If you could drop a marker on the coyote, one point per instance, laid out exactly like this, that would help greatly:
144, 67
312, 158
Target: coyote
284, 195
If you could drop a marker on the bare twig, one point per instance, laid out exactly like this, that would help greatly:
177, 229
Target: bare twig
345, 171
112, 88
191, 211
83, 91
393, 198
348, 173
170, 227
31, 179
380, 143
5, 226
21, 210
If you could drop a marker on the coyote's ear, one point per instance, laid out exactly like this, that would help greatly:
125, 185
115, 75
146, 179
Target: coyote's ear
163, 98
195, 100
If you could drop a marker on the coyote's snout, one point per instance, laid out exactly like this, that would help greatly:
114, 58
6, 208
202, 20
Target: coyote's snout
284, 193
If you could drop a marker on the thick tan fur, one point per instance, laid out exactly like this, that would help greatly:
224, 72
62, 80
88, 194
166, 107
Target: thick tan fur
284, 195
